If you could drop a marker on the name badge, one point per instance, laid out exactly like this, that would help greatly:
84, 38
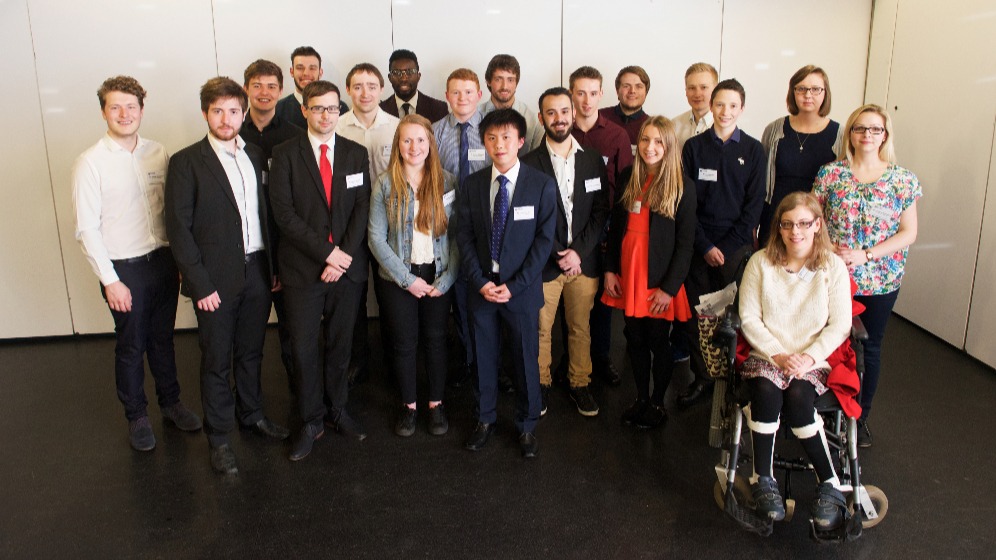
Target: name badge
805, 274
632, 148
635, 208
476, 154
154, 177
708, 175
385, 151
522, 213
354, 180
592, 185
605, 160
448, 198
880, 211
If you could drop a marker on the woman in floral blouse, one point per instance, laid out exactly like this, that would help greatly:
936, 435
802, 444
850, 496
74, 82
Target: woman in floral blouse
870, 207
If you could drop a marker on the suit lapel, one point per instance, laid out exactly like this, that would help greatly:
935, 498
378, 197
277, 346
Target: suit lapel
311, 163
214, 166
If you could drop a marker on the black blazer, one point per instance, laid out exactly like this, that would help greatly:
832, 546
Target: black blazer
671, 240
429, 107
301, 211
591, 209
203, 220
527, 242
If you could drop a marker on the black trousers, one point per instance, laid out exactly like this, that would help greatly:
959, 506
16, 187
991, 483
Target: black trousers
315, 310
146, 331
649, 353
412, 321
231, 341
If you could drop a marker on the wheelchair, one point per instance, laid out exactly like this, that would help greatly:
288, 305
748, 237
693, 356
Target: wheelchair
866, 504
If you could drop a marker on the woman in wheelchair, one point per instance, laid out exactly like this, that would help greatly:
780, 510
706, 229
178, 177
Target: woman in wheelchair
795, 310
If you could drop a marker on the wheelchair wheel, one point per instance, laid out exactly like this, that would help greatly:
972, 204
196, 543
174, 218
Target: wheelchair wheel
718, 416
741, 491
878, 499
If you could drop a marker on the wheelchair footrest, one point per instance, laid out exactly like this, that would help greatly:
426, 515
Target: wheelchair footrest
747, 518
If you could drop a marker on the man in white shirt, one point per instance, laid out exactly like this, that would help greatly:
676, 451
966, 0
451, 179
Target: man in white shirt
216, 216
371, 127
700, 79
502, 78
118, 201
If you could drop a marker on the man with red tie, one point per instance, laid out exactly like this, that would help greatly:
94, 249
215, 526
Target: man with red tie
320, 195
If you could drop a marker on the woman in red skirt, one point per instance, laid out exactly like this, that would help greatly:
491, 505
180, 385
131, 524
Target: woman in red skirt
649, 249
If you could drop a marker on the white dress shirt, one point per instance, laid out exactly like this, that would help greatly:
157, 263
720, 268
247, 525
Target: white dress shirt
685, 126
118, 202
377, 139
413, 102
512, 175
242, 178
563, 169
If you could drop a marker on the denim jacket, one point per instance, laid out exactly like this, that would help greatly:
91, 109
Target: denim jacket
393, 247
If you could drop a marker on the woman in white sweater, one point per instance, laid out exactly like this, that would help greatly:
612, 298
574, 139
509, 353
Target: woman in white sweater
795, 309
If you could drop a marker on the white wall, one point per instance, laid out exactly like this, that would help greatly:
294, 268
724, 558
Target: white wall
936, 73
57, 52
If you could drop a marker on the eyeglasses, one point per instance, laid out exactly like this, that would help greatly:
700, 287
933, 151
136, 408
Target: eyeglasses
803, 225
318, 109
803, 90
875, 130
405, 72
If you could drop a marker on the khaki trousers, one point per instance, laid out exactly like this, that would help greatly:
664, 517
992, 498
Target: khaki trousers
579, 297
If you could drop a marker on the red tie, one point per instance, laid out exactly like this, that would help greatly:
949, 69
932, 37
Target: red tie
325, 168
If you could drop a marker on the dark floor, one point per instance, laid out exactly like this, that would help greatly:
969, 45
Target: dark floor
72, 488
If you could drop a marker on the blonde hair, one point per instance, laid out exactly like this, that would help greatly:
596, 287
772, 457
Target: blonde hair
666, 188
822, 252
887, 151
431, 216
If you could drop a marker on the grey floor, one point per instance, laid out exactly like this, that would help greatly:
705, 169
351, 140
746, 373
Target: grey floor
72, 488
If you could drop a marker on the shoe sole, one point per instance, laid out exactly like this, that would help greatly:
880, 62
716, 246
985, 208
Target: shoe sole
143, 449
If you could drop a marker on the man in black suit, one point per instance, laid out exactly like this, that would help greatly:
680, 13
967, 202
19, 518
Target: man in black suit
216, 223
507, 217
320, 195
404, 74
572, 266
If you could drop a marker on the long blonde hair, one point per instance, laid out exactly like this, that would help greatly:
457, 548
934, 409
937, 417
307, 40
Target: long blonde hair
887, 151
777, 252
431, 216
666, 188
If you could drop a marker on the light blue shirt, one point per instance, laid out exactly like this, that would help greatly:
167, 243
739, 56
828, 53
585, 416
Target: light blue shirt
447, 132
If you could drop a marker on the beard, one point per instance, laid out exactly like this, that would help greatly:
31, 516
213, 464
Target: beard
560, 136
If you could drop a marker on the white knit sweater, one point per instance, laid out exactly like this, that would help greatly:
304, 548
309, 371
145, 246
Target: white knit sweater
786, 313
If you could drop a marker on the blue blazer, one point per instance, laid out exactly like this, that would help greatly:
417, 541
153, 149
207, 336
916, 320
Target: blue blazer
527, 242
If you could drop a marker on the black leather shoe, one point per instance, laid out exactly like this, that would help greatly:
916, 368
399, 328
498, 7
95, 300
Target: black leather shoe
223, 460
653, 416
480, 436
269, 428
604, 370
695, 392
407, 418
635, 410
528, 445
310, 433
345, 425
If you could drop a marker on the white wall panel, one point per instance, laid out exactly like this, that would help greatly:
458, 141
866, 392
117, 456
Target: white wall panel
949, 146
168, 45
982, 315
34, 299
663, 37
766, 41
450, 34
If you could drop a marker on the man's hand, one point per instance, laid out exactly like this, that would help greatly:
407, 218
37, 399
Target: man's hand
496, 294
118, 296
569, 262
331, 274
210, 303
612, 285
339, 260
714, 257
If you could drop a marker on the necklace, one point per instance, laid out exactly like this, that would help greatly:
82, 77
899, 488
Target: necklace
798, 139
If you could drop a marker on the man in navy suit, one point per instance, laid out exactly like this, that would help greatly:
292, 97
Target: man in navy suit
320, 195
572, 269
404, 74
216, 220
507, 218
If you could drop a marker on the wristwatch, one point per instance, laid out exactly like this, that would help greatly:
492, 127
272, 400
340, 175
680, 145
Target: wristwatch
868, 255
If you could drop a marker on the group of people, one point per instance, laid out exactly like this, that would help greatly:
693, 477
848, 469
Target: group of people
502, 217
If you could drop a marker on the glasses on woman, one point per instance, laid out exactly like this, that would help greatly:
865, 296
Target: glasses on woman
874, 130
803, 224
803, 90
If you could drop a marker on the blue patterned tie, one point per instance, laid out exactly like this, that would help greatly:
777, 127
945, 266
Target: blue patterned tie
464, 153
499, 218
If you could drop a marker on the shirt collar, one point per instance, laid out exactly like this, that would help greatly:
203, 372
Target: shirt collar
474, 120
113, 146
299, 97
413, 102
512, 174
735, 137
218, 147
575, 146
626, 118
316, 143
380, 119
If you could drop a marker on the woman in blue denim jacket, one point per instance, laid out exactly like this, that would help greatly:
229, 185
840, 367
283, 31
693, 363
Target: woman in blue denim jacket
412, 235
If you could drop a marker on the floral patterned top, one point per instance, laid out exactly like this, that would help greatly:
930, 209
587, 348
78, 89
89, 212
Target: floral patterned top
862, 215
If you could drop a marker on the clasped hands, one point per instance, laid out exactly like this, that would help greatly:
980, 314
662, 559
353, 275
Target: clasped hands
335, 265
496, 294
794, 365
